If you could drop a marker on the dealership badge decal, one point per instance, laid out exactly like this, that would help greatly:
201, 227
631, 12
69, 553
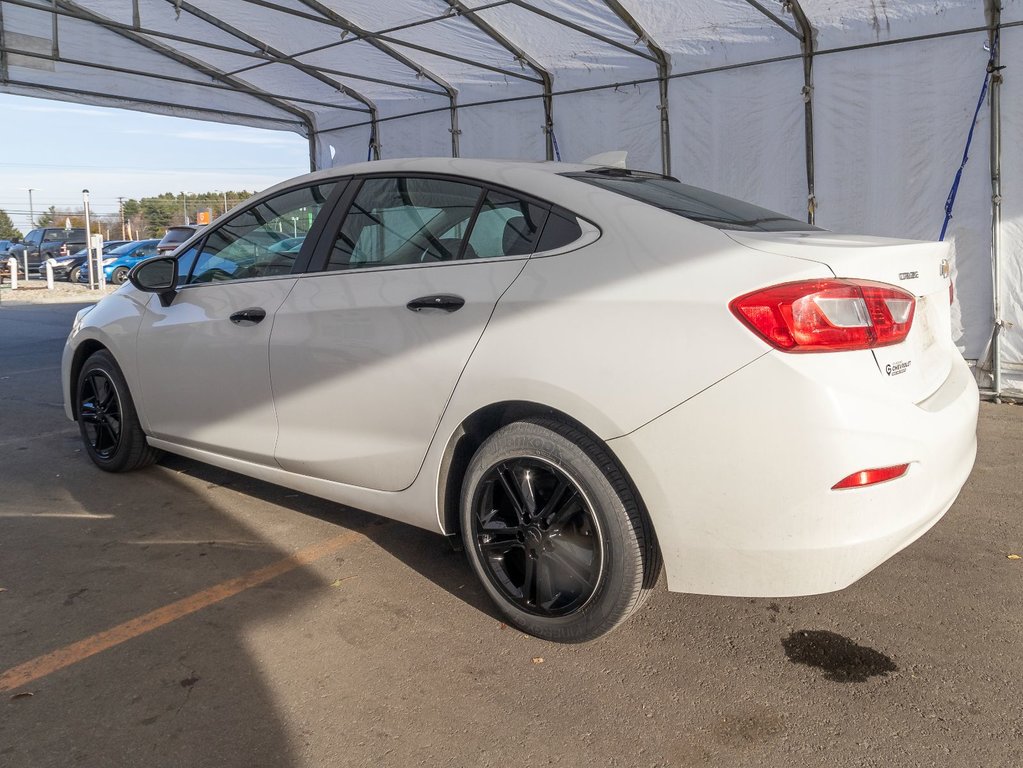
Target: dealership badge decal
895, 369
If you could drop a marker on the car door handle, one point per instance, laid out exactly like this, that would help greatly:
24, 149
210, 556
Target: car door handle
444, 301
248, 316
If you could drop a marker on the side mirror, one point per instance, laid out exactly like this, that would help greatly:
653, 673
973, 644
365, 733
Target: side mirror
158, 276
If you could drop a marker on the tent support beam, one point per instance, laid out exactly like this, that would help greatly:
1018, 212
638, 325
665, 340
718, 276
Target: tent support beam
994, 11
806, 44
775, 18
271, 51
187, 61
663, 60
296, 126
170, 78
579, 28
345, 25
523, 58
3, 48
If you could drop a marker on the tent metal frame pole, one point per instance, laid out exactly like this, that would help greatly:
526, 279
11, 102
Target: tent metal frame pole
546, 79
775, 18
271, 51
663, 60
806, 44
994, 9
3, 48
346, 25
286, 125
192, 64
172, 79
579, 28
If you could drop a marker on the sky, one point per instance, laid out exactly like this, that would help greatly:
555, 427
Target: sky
58, 149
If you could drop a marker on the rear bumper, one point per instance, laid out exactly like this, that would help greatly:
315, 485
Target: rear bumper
738, 479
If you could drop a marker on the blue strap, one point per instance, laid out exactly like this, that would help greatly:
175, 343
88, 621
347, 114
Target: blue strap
951, 200
554, 141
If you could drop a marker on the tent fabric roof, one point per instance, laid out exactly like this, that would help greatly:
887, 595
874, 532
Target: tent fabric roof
322, 62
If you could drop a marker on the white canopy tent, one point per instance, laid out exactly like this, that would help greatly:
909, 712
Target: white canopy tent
854, 113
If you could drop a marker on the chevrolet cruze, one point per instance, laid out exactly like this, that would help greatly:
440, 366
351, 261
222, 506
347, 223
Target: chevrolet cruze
580, 371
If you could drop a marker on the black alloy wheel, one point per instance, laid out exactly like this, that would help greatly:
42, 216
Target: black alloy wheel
537, 537
555, 533
107, 419
120, 276
99, 408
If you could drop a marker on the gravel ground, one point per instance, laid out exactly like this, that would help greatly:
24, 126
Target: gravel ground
35, 292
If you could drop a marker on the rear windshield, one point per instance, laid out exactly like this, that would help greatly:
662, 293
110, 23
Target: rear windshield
693, 203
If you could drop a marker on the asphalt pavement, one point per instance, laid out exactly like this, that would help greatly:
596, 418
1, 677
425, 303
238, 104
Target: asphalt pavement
186, 616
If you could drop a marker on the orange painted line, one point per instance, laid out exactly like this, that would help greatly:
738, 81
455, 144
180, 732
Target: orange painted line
41, 666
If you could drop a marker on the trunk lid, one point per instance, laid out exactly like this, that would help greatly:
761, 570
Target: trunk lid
919, 365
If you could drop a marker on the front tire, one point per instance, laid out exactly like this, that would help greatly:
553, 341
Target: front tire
73, 274
555, 533
107, 418
120, 276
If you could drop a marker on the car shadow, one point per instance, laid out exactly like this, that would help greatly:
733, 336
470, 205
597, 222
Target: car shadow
431, 555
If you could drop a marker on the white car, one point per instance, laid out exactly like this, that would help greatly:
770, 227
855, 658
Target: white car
579, 370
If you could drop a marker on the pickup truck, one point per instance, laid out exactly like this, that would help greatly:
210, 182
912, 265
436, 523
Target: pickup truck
47, 243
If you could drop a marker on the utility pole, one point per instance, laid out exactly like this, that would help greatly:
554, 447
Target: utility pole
184, 206
31, 211
120, 208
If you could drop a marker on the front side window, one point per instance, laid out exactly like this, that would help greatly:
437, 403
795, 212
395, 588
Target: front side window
396, 221
262, 241
34, 237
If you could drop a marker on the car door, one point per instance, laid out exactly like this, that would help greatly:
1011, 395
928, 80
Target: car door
365, 354
202, 360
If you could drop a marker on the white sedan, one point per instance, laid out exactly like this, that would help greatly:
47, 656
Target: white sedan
581, 371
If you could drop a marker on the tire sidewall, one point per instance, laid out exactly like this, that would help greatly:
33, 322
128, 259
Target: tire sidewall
615, 592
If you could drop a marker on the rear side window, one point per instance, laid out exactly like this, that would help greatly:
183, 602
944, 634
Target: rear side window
505, 226
700, 205
562, 229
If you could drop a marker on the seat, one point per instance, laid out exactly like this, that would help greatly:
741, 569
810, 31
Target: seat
517, 239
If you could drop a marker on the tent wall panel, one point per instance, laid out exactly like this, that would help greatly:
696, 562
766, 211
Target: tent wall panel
420, 136
598, 121
891, 125
740, 132
342, 147
1012, 209
512, 130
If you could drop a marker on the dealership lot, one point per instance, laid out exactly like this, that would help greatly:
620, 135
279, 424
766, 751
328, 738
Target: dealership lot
188, 616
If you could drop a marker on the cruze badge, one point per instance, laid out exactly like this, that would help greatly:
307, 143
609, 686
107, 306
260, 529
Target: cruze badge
908, 275
946, 268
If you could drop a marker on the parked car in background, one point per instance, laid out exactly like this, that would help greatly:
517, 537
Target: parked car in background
5, 247
48, 243
174, 237
70, 267
120, 260
579, 370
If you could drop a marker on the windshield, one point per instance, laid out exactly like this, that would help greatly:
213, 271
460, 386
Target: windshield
693, 203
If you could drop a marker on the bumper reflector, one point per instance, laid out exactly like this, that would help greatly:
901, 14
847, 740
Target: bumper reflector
870, 477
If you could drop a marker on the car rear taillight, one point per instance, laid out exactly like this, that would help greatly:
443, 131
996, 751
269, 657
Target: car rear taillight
870, 477
827, 315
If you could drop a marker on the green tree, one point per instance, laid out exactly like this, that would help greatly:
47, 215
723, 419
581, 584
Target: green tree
7, 229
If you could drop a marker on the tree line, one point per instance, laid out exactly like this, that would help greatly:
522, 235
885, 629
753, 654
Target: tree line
136, 219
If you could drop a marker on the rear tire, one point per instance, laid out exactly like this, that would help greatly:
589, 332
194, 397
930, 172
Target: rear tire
107, 418
555, 533
73, 274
